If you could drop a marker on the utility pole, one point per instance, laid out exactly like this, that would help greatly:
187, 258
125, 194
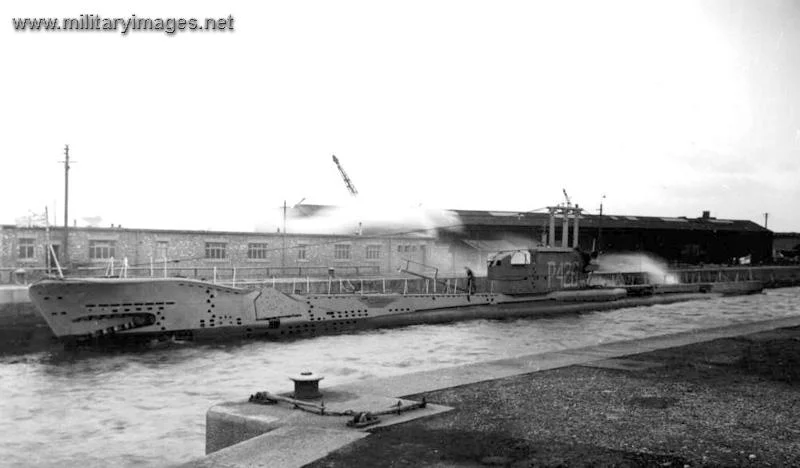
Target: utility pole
283, 237
600, 226
47, 240
766, 218
66, 204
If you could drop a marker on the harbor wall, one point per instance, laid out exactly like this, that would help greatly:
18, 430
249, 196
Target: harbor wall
22, 329
10, 294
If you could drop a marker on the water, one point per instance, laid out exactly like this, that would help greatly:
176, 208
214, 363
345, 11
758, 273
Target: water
148, 408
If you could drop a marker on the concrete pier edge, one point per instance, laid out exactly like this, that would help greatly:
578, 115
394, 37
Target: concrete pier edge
256, 435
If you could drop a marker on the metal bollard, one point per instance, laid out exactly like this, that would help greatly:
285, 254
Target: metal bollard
306, 385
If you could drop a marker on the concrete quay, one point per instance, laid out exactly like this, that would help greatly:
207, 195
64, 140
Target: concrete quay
14, 294
22, 328
243, 434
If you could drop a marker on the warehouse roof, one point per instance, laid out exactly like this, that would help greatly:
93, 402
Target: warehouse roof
611, 221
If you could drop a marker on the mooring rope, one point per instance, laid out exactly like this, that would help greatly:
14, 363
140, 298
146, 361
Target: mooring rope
360, 418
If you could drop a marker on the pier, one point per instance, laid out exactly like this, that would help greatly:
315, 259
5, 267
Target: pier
504, 401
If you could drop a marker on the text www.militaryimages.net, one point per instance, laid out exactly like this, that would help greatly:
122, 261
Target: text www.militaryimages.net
124, 26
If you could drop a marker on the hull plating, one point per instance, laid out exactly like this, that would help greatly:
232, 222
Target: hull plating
124, 309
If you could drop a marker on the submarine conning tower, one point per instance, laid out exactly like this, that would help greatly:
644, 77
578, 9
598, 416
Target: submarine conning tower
546, 268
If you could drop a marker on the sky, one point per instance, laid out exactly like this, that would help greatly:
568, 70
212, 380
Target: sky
666, 108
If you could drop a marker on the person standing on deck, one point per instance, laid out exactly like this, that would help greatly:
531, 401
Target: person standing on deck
470, 282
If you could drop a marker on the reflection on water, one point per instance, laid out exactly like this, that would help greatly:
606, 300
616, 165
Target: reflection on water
143, 408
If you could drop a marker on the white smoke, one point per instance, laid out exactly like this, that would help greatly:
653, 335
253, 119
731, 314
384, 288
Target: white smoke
654, 267
361, 215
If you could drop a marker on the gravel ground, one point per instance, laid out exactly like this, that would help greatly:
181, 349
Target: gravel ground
728, 402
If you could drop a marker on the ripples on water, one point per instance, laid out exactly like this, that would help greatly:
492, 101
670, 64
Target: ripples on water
147, 408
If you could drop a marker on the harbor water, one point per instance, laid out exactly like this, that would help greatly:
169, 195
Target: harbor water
147, 407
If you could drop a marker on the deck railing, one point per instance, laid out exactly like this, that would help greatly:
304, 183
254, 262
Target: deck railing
250, 276
119, 269
688, 276
365, 286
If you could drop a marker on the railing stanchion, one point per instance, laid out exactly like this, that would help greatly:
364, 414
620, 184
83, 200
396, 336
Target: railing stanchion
55, 259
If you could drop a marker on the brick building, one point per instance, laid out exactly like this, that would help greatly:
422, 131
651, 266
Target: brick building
272, 254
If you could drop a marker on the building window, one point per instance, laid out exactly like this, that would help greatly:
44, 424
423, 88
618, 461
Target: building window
341, 252
399, 248
99, 249
301, 252
257, 250
373, 252
215, 249
26, 248
161, 249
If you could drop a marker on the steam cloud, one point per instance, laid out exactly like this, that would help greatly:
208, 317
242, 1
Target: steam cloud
375, 218
654, 267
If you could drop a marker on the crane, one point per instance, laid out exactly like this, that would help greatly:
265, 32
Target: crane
350, 186
569, 202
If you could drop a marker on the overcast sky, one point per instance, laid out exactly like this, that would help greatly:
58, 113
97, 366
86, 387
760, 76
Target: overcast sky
668, 108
